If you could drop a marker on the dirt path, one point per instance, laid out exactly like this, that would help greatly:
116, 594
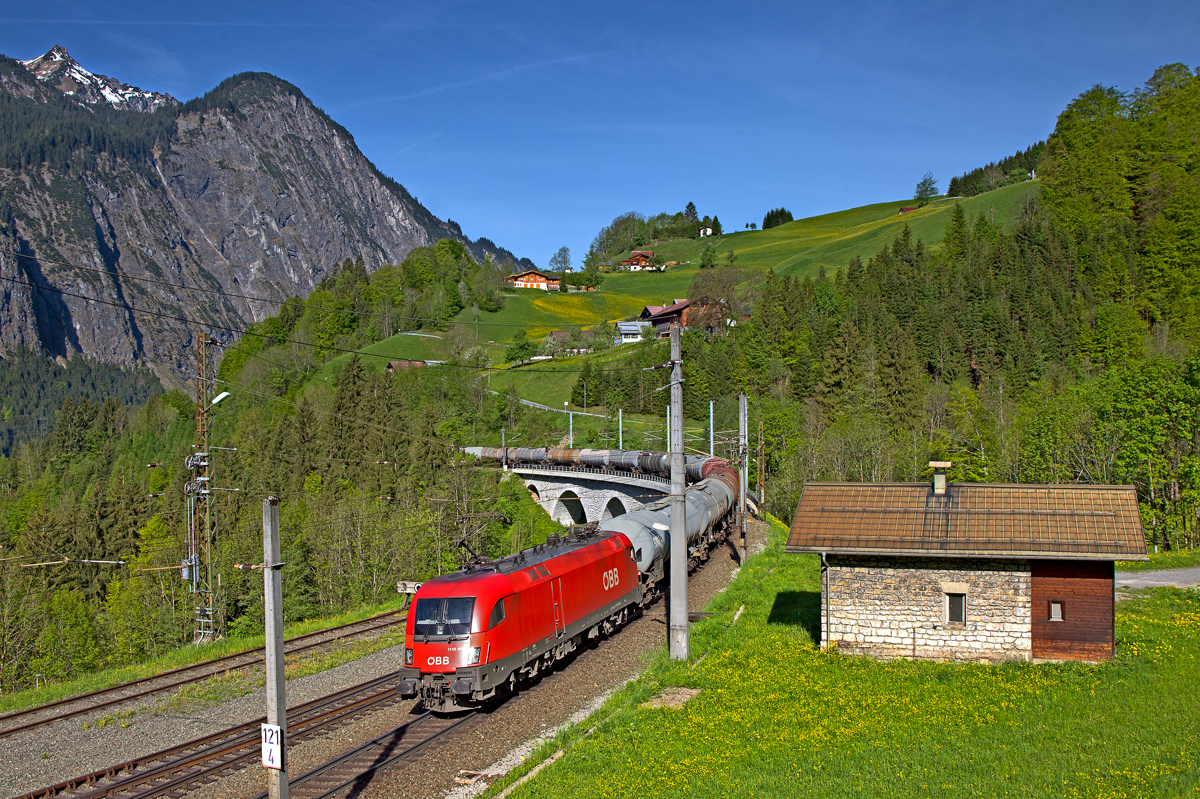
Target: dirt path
1180, 578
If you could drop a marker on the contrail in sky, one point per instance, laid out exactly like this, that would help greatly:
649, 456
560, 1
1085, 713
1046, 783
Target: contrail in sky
498, 74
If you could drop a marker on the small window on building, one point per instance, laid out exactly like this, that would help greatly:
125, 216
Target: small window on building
1056, 610
956, 608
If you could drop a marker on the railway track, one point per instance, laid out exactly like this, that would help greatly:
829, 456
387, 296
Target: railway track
350, 774
33, 717
177, 771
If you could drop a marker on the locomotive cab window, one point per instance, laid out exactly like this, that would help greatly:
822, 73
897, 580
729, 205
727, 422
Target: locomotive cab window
956, 608
443, 617
497, 614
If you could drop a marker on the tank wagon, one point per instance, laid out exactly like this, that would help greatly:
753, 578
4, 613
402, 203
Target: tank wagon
621, 460
481, 631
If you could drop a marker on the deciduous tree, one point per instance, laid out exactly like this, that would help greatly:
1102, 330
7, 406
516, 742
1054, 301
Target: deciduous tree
926, 189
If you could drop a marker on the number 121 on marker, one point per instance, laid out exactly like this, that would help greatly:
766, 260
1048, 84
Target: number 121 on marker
272, 746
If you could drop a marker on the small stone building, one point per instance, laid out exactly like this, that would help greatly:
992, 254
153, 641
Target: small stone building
968, 571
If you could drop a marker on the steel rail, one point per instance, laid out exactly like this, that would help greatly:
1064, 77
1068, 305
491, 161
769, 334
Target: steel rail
224, 749
369, 758
207, 669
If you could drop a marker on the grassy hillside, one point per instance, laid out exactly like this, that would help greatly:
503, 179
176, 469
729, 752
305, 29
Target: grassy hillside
802, 247
799, 248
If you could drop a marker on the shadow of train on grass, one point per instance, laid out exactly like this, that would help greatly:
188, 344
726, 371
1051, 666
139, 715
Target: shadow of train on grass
798, 608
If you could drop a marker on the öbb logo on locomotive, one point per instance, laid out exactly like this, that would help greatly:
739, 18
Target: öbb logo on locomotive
611, 579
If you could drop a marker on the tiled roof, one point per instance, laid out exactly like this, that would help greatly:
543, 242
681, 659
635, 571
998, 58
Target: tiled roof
970, 520
677, 307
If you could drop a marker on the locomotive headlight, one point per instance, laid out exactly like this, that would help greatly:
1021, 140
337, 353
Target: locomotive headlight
408, 657
474, 657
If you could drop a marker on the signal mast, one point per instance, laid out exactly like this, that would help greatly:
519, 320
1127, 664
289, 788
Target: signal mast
201, 568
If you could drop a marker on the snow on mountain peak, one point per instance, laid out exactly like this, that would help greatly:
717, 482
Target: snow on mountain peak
57, 68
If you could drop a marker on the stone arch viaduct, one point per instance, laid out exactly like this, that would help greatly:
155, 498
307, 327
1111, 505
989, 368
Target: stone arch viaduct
575, 495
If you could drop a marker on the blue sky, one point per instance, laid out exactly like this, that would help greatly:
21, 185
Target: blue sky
535, 123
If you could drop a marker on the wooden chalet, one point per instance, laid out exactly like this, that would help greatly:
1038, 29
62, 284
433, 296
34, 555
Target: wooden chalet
664, 316
638, 260
968, 571
533, 279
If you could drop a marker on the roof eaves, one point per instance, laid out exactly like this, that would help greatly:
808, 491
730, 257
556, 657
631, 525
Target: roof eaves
973, 553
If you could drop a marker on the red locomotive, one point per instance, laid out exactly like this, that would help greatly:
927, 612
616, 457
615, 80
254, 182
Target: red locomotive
490, 625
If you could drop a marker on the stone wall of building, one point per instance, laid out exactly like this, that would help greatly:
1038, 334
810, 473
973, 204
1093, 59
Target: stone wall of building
891, 607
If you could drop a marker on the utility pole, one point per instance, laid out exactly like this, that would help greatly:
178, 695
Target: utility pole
274, 732
679, 542
201, 566
762, 475
620, 428
743, 469
710, 428
668, 440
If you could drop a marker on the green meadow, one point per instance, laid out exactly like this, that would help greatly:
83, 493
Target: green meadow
800, 248
777, 717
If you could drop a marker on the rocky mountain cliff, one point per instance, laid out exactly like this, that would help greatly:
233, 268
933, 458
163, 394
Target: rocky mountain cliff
250, 190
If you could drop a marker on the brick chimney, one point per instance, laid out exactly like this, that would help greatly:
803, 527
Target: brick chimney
939, 476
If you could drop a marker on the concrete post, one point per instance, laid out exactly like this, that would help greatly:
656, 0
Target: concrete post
679, 543
277, 779
743, 468
709, 428
620, 428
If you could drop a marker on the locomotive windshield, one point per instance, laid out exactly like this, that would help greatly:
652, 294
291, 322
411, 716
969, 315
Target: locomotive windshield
444, 616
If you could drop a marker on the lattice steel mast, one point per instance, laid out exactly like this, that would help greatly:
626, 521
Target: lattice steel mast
201, 568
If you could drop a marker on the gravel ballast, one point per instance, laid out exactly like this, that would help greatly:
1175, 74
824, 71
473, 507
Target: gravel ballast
493, 742
63, 750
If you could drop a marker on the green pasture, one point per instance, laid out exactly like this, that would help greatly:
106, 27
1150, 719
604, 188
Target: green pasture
429, 346
803, 247
800, 248
777, 717
1175, 559
622, 295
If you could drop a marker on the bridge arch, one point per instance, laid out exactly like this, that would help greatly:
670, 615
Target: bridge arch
569, 509
613, 508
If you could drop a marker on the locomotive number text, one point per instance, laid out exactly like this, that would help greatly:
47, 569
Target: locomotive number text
443, 660
611, 578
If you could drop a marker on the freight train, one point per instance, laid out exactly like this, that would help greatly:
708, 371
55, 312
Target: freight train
478, 633
620, 460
